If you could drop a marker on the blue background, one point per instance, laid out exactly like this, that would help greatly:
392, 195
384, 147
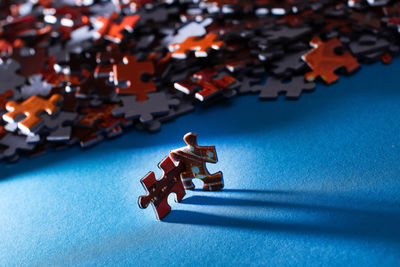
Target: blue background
307, 182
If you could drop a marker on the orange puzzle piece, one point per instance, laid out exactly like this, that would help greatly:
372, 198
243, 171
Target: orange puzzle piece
200, 46
111, 30
132, 73
27, 113
323, 60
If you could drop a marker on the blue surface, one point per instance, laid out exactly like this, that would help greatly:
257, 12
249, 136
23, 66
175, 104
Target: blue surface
312, 182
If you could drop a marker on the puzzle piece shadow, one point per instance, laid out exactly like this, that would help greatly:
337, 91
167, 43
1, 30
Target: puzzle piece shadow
367, 223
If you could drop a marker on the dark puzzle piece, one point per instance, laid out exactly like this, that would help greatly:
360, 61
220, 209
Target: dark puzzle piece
9, 79
156, 104
288, 64
13, 144
292, 88
159, 190
194, 159
37, 86
59, 126
185, 106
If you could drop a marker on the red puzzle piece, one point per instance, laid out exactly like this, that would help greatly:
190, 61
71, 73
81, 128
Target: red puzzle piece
112, 31
194, 158
206, 86
323, 60
200, 45
132, 72
159, 190
102, 117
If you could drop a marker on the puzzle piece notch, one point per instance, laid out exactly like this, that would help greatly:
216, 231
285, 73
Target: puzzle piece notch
323, 60
292, 88
27, 113
132, 72
200, 46
194, 158
159, 190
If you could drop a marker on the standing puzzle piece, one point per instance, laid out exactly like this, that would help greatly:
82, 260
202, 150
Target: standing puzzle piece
323, 60
194, 158
132, 72
159, 190
27, 113
200, 46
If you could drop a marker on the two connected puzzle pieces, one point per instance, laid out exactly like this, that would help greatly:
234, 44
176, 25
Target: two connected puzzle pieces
180, 168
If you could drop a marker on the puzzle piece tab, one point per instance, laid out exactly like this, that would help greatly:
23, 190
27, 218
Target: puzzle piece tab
323, 60
27, 113
194, 158
159, 190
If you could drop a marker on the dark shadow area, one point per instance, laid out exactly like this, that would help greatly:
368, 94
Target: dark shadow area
342, 222
256, 191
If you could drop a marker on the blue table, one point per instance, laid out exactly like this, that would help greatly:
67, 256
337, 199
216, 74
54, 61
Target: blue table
308, 182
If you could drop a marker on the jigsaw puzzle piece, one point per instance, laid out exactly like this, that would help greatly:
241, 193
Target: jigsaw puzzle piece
194, 157
324, 61
292, 88
112, 30
159, 190
132, 72
156, 104
27, 113
200, 46
13, 144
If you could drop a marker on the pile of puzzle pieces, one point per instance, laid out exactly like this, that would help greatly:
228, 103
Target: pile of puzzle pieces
190, 164
77, 72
